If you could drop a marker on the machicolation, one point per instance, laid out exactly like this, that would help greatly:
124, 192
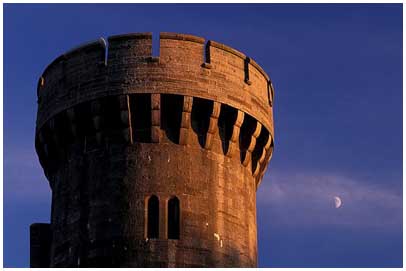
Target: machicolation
152, 161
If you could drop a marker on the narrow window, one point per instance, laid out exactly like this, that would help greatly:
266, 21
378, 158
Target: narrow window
173, 218
153, 217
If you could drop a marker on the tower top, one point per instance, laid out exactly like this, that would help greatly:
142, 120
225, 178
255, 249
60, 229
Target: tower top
186, 65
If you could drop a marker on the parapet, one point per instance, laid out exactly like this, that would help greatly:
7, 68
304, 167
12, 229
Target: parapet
229, 89
186, 65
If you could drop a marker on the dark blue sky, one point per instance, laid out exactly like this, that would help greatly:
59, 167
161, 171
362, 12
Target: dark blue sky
337, 71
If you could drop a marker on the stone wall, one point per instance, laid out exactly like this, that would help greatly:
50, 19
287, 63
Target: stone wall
116, 125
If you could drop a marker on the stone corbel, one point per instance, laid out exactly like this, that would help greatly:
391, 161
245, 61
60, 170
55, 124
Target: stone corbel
97, 120
236, 133
156, 118
263, 154
212, 125
185, 122
251, 146
265, 162
125, 118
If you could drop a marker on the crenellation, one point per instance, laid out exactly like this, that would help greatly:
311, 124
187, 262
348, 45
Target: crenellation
83, 66
129, 64
226, 48
116, 125
86, 48
54, 71
181, 50
132, 46
228, 64
259, 85
183, 37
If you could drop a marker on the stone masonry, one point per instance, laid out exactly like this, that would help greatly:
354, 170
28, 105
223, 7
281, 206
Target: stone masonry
153, 161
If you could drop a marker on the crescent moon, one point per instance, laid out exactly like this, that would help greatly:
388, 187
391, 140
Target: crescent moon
337, 202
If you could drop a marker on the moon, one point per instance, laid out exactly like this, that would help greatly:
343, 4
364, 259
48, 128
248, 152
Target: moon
337, 202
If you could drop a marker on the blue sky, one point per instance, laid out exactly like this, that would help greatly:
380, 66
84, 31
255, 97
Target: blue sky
337, 72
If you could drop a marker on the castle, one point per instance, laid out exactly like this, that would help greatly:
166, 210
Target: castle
153, 161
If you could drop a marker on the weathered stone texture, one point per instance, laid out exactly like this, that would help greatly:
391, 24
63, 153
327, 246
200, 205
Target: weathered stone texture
115, 128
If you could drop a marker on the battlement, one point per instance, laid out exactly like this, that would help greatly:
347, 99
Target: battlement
187, 67
90, 53
153, 155
213, 70
184, 37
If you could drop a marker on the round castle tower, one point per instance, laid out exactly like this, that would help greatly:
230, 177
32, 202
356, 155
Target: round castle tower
152, 161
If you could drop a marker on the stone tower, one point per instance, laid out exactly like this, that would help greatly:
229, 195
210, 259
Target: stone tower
153, 161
